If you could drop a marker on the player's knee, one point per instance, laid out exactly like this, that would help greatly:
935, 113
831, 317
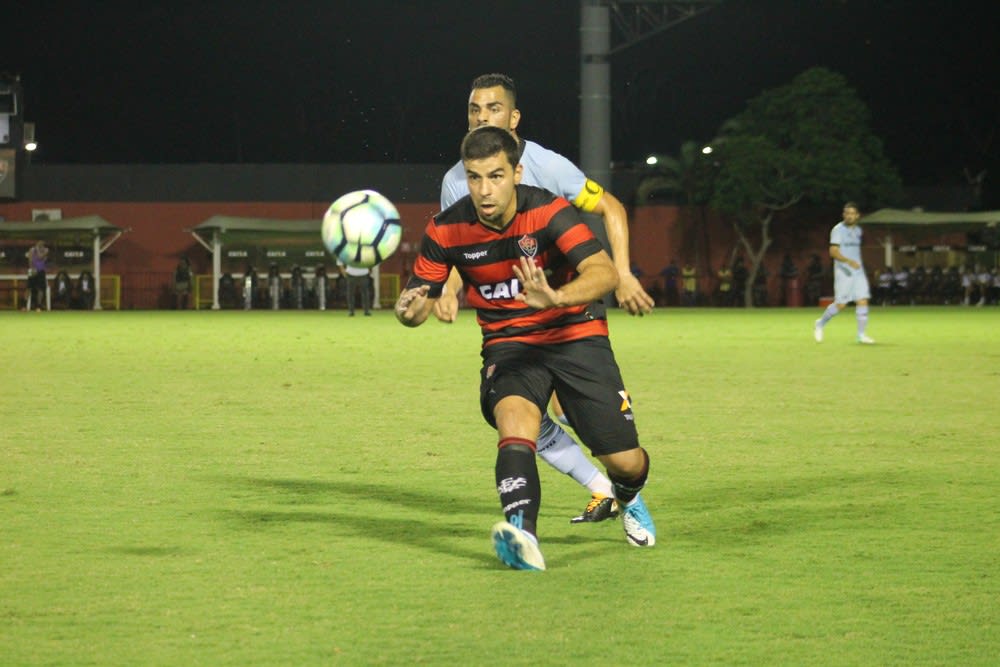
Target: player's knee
631, 464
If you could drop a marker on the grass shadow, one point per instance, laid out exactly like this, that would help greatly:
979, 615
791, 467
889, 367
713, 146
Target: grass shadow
436, 534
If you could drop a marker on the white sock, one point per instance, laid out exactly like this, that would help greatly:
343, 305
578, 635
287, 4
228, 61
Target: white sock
828, 314
560, 451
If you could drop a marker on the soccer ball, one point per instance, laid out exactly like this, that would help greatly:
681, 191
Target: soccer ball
362, 228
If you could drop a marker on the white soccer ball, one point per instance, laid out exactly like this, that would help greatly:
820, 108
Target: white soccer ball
362, 228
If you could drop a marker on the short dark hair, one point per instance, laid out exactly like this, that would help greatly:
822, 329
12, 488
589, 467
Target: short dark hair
487, 141
851, 204
496, 79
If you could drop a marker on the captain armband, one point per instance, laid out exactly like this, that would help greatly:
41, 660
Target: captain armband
589, 196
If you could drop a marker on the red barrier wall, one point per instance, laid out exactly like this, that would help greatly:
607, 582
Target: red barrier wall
145, 256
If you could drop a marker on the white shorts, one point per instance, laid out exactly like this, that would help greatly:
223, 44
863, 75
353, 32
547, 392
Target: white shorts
851, 286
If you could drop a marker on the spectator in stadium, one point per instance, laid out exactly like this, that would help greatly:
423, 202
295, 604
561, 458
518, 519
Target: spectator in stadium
250, 281
849, 280
952, 287
883, 286
918, 285
789, 279
969, 285
493, 102
671, 274
357, 280
983, 282
740, 277
86, 290
935, 285
38, 261
183, 277
274, 286
298, 288
814, 280
724, 288
321, 287
760, 296
63, 291
901, 286
994, 291
537, 336
689, 285
227, 291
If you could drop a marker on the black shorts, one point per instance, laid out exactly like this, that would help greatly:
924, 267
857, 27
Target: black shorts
37, 280
585, 377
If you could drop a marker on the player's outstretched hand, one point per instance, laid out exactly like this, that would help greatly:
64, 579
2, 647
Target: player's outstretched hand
535, 290
411, 307
632, 297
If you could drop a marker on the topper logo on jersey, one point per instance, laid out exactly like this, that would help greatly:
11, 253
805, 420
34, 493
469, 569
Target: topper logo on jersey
528, 245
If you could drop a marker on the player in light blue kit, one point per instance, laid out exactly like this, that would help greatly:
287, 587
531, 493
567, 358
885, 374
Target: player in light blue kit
493, 101
849, 280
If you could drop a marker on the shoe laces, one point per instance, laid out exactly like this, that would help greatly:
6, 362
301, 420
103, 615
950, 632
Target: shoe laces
639, 513
595, 502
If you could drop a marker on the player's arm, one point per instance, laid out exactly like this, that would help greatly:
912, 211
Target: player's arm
839, 256
446, 307
595, 199
453, 188
596, 276
630, 293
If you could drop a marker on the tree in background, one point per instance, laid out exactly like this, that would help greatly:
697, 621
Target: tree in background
809, 141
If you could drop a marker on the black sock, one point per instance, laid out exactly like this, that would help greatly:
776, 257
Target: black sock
626, 489
518, 485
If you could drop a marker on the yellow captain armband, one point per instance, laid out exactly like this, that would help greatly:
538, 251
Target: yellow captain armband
589, 196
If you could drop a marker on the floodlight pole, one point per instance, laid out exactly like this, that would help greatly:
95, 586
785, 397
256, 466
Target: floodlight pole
216, 268
595, 91
97, 269
636, 21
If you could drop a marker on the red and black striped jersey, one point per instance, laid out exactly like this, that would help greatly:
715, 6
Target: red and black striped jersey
547, 229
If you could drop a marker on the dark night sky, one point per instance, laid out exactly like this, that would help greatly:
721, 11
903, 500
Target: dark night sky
385, 81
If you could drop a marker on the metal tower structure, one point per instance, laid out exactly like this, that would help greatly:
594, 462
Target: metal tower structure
608, 27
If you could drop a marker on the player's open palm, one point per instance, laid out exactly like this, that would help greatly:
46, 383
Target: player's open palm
535, 290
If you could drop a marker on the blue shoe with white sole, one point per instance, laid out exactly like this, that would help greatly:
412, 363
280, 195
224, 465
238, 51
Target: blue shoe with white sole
516, 548
639, 528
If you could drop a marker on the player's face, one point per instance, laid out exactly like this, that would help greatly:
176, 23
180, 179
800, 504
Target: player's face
851, 215
491, 186
492, 106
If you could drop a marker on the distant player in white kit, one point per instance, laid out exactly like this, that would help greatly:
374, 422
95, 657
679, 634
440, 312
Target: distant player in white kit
849, 280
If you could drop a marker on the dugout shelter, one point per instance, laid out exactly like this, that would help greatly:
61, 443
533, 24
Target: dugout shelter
920, 232
75, 243
237, 243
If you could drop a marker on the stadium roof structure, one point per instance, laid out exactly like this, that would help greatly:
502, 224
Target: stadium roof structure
217, 231
945, 221
907, 222
51, 229
93, 228
231, 226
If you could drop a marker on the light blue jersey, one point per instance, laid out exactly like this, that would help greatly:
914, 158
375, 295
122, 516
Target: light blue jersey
849, 284
848, 237
542, 168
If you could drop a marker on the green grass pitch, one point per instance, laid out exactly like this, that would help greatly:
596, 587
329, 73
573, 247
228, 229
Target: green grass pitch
304, 488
